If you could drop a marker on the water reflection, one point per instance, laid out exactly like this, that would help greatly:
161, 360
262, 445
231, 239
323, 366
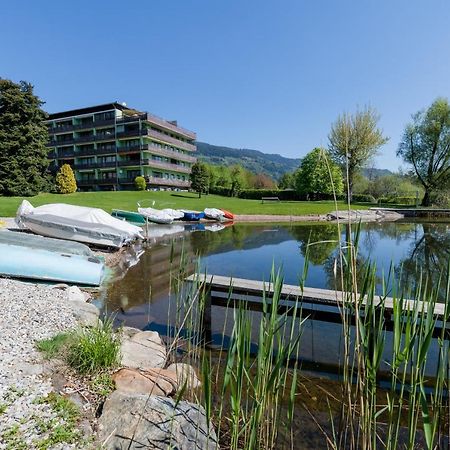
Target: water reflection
249, 250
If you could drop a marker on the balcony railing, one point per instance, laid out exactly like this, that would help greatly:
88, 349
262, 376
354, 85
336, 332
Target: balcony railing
163, 137
167, 166
130, 133
170, 126
66, 154
88, 182
111, 180
135, 118
169, 153
126, 180
167, 182
95, 165
133, 162
98, 151
131, 149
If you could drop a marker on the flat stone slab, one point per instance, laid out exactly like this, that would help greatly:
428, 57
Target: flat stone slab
159, 382
144, 350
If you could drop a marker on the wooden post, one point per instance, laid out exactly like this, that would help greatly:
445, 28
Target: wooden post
206, 317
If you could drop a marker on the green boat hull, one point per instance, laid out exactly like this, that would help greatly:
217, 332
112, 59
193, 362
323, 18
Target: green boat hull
130, 216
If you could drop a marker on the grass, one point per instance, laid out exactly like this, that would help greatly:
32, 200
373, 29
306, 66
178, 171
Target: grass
165, 199
95, 349
53, 346
89, 350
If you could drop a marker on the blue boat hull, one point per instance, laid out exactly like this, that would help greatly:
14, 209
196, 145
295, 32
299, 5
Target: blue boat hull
46, 265
193, 216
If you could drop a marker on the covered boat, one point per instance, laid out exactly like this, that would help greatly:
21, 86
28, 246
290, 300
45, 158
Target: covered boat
156, 215
227, 214
34, 257
192, 216
130, 216
216, 214
77, 223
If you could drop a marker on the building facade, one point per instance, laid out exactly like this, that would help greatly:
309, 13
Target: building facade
109, 145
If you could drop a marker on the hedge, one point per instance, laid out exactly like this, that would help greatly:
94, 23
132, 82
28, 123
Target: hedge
363, 198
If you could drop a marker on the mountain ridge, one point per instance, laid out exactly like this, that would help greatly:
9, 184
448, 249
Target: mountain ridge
272, 164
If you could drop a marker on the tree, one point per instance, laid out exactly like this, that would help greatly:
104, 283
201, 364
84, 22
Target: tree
199, 178
139, 183
426, 146
23, 139
65, 180
313, 176
237, 179
287, 181
354, 140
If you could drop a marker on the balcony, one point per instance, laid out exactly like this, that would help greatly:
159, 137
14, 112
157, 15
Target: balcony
131, 149
95, 165
164, 138
127, 180
170, 126
110, 180
155, 150
105, 137
133, 162
60, 129
89, 182
130, 133
167, 166
170, 183
98, 151
70, 154
135, 118
55, 143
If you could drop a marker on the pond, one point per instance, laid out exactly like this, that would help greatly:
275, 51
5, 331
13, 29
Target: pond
139, 296
142, 296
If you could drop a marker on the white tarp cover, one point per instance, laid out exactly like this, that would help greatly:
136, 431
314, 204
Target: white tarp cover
79, 213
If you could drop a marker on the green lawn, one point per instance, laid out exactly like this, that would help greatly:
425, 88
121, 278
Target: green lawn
165, 199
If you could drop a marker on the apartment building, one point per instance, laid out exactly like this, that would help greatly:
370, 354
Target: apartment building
109, 145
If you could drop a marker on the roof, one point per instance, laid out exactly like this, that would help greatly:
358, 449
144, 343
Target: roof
88, 110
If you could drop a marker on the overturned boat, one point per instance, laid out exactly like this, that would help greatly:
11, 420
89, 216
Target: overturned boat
130, 216
156, 215
218, 214
77, 223
46, 259
192, 216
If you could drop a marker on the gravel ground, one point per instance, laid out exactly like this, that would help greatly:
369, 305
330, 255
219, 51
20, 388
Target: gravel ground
29, 312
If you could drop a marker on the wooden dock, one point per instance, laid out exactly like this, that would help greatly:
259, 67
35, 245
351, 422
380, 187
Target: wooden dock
318, 304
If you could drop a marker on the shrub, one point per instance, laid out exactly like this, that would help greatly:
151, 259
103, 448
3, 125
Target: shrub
405, 200
364, 198
95, 349
220, 190
65, 180
441, 199
140, 183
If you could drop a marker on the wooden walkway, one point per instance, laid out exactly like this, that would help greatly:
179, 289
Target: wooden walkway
318, 304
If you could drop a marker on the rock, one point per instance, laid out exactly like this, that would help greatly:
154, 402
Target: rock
154, 382
144, 350
61, 286
137, 421
129, 332
74, 293
85, 313
185, 373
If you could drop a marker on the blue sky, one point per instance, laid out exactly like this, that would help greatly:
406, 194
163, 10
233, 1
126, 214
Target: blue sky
268, 75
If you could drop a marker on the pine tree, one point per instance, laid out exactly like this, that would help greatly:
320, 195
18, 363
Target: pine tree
23, 139
65, 180
199, 178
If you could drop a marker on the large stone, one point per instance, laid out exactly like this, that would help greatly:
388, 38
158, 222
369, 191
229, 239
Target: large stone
85, 313
185, 374
75, 294
154, 381
137, 421
144, 350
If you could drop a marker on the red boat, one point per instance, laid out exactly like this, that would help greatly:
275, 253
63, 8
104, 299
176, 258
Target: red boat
227, 214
